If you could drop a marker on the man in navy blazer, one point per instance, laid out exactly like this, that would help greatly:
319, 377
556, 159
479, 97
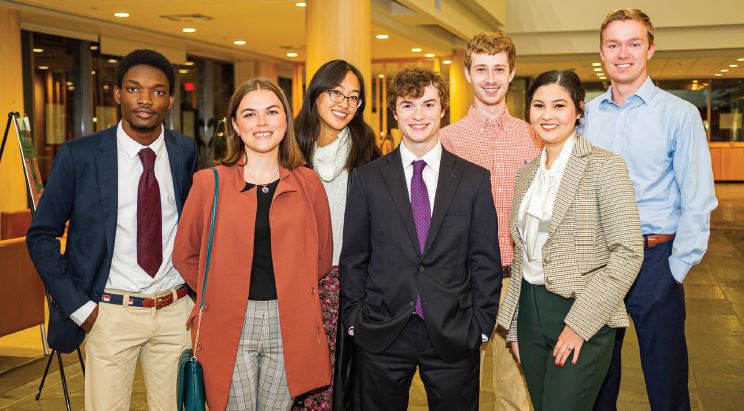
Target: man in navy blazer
121, 190
420, 266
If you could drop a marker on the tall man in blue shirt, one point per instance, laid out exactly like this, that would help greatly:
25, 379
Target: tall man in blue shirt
662, 140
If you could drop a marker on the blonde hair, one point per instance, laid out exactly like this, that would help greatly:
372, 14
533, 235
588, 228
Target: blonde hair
290, 155
628, 14
491, 42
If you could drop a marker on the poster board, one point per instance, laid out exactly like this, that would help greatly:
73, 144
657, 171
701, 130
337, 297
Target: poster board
34, 183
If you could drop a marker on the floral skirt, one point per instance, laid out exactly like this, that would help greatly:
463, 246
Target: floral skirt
328, 291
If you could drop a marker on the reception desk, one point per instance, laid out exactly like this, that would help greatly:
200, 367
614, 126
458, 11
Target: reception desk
728, 160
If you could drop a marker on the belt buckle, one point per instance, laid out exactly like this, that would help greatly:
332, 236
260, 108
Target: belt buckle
163, 301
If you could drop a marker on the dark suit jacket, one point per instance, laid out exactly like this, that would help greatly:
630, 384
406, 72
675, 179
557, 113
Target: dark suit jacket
381, 268
82, 189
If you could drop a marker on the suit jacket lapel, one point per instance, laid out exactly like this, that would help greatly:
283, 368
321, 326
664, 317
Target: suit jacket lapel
524, 179
449, 178
108, 183
175, 158
570, 182
396, 182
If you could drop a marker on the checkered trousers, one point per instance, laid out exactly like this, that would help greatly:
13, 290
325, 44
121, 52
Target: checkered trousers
259, 381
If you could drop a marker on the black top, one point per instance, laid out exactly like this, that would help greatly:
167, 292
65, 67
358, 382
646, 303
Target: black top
263, 284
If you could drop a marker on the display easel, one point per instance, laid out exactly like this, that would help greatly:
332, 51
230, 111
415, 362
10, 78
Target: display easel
35, 188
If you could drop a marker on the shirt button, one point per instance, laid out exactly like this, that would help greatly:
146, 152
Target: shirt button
618, 136
421, 268
410, 303
498, 165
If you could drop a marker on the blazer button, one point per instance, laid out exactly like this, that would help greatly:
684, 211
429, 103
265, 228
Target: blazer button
421, 268
410, 303
312, 291
549, 280
317, 330
546, 261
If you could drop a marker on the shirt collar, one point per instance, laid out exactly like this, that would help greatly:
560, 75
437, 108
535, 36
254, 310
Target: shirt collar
646, 92
481, 120
132, 147
433, 158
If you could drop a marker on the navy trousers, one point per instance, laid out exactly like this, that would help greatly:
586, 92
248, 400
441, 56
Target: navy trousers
656, 303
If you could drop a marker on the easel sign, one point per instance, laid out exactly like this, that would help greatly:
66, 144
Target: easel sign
30, 162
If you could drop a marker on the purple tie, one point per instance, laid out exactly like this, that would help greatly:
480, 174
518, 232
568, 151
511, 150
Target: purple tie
149, 216
421, 214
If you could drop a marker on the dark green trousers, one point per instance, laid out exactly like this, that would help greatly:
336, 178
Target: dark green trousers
571, 387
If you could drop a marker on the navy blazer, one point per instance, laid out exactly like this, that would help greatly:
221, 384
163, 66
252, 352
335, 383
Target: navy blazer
382, 269
82, 189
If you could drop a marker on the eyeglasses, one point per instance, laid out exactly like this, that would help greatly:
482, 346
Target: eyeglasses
338, 97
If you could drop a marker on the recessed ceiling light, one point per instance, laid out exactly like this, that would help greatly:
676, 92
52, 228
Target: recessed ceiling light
183, 71
301, 4
446, 61
292, 54
240, 42
37, 50
69, 83
596, 64
417, 50
429, 55
188, 63
92, 72
718, 74
188, 30
381, 75
112, 61
733, 65
740, 59
694, 81
724, 70
121, 14
382, 37
43, 67
597, 69
94, 47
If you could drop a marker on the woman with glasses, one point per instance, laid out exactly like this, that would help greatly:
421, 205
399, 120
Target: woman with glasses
334, 139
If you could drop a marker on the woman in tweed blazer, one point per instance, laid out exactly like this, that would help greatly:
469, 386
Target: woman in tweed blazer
578, 249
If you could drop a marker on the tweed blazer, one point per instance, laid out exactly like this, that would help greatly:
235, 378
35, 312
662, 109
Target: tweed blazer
594, 248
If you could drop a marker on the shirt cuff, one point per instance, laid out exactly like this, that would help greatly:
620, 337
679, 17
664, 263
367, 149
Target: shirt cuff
82, 313
679, 268
484, 338
351, 331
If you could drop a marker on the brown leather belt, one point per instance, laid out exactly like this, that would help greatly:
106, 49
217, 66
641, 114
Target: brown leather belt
652, 240
157, 303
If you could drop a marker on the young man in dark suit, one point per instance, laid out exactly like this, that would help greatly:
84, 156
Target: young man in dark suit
420, 266
122, 191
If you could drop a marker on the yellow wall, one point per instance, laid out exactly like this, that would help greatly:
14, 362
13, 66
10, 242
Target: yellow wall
12, 180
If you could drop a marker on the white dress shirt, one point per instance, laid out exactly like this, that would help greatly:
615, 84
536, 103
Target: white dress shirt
536, 212
126, 274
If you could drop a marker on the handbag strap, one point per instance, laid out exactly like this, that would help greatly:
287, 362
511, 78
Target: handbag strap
206, 263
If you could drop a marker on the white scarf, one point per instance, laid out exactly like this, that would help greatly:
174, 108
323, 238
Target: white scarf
329, 161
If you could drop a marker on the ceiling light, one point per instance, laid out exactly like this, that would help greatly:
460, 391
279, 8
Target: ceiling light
381, 75
121, 14
36, 50
740, 59
112, 61
188, 30
597, 69
301, 4
733, 65
694, 81
382, 37
724, 70
292, 54
429, 55
43, 67
183, 71
596, 64
417, 50
69, 83
240, 42
92, 72
94, 47
188, 63
446, 61
718, 74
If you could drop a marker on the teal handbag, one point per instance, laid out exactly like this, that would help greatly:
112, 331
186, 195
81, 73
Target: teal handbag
191, 396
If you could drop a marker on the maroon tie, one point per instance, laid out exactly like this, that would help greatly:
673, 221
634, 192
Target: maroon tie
149, 216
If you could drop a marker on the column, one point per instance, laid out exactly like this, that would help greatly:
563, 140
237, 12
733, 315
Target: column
243, 71
339, 29
297, 93
461, 96
11, 99
268, 70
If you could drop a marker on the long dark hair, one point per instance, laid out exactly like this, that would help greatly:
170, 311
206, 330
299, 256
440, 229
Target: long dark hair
307, 124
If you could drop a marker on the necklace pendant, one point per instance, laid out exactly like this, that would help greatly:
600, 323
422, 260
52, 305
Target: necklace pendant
265, 190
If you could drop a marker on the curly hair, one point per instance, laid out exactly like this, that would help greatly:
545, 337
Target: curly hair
412, 82
491, 42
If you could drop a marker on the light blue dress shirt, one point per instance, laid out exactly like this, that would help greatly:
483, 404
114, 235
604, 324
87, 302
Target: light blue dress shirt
662, 140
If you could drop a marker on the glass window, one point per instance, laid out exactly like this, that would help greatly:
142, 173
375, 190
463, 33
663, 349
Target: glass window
103, 78
727, 102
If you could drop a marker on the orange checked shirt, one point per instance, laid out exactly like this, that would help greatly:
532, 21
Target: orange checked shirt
502, 146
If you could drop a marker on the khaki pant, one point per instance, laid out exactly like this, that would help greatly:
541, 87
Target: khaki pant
509, 388
123, 334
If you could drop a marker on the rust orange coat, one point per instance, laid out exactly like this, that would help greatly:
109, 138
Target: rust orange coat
301, 247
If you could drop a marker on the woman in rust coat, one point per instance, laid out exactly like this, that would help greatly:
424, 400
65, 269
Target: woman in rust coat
262, 341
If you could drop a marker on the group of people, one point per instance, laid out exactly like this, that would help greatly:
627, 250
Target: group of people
588, 215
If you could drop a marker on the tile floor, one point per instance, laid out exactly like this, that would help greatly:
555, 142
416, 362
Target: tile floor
715, 334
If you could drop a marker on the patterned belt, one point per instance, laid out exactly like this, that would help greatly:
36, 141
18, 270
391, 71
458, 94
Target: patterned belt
157, 303
652, 240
